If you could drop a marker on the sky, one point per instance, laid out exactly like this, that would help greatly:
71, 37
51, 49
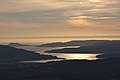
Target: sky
38, 18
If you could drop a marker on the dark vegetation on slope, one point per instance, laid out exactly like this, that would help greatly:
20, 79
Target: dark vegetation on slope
8, 54
106, 69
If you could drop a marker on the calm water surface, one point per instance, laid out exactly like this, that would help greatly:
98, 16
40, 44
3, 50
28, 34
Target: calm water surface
68, 56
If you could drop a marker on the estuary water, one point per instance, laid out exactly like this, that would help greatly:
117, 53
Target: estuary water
66, 56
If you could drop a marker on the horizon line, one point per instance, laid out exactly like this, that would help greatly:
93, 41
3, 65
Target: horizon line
60, 37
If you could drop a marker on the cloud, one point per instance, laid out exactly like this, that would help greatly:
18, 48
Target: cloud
92, 17
28, 5
80, 23
35, 16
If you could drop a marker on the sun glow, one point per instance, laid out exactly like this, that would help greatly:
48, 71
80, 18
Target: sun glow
78, 56
80, 23
94, 0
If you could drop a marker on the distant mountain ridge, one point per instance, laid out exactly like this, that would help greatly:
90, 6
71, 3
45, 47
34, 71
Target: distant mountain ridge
16, 44
73, 43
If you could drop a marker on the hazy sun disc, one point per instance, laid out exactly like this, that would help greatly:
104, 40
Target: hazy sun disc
94, 0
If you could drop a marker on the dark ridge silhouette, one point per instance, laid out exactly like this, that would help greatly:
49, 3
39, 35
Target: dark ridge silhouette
55, 44
106, 69
9, 54
72, 43
109, 47
17, 44
102, 69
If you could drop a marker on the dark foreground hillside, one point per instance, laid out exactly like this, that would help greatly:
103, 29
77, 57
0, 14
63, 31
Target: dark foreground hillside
10, 54
107, 69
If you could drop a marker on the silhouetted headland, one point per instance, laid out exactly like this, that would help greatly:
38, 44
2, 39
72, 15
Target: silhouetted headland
9, 54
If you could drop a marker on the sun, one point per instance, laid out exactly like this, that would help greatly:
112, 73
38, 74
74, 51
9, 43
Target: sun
94, 0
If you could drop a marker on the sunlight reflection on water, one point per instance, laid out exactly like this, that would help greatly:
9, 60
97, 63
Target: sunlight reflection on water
68, 56
78, 56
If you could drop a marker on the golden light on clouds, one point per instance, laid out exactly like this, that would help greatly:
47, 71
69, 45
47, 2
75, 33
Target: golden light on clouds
80, 23
95, 0
53, 17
